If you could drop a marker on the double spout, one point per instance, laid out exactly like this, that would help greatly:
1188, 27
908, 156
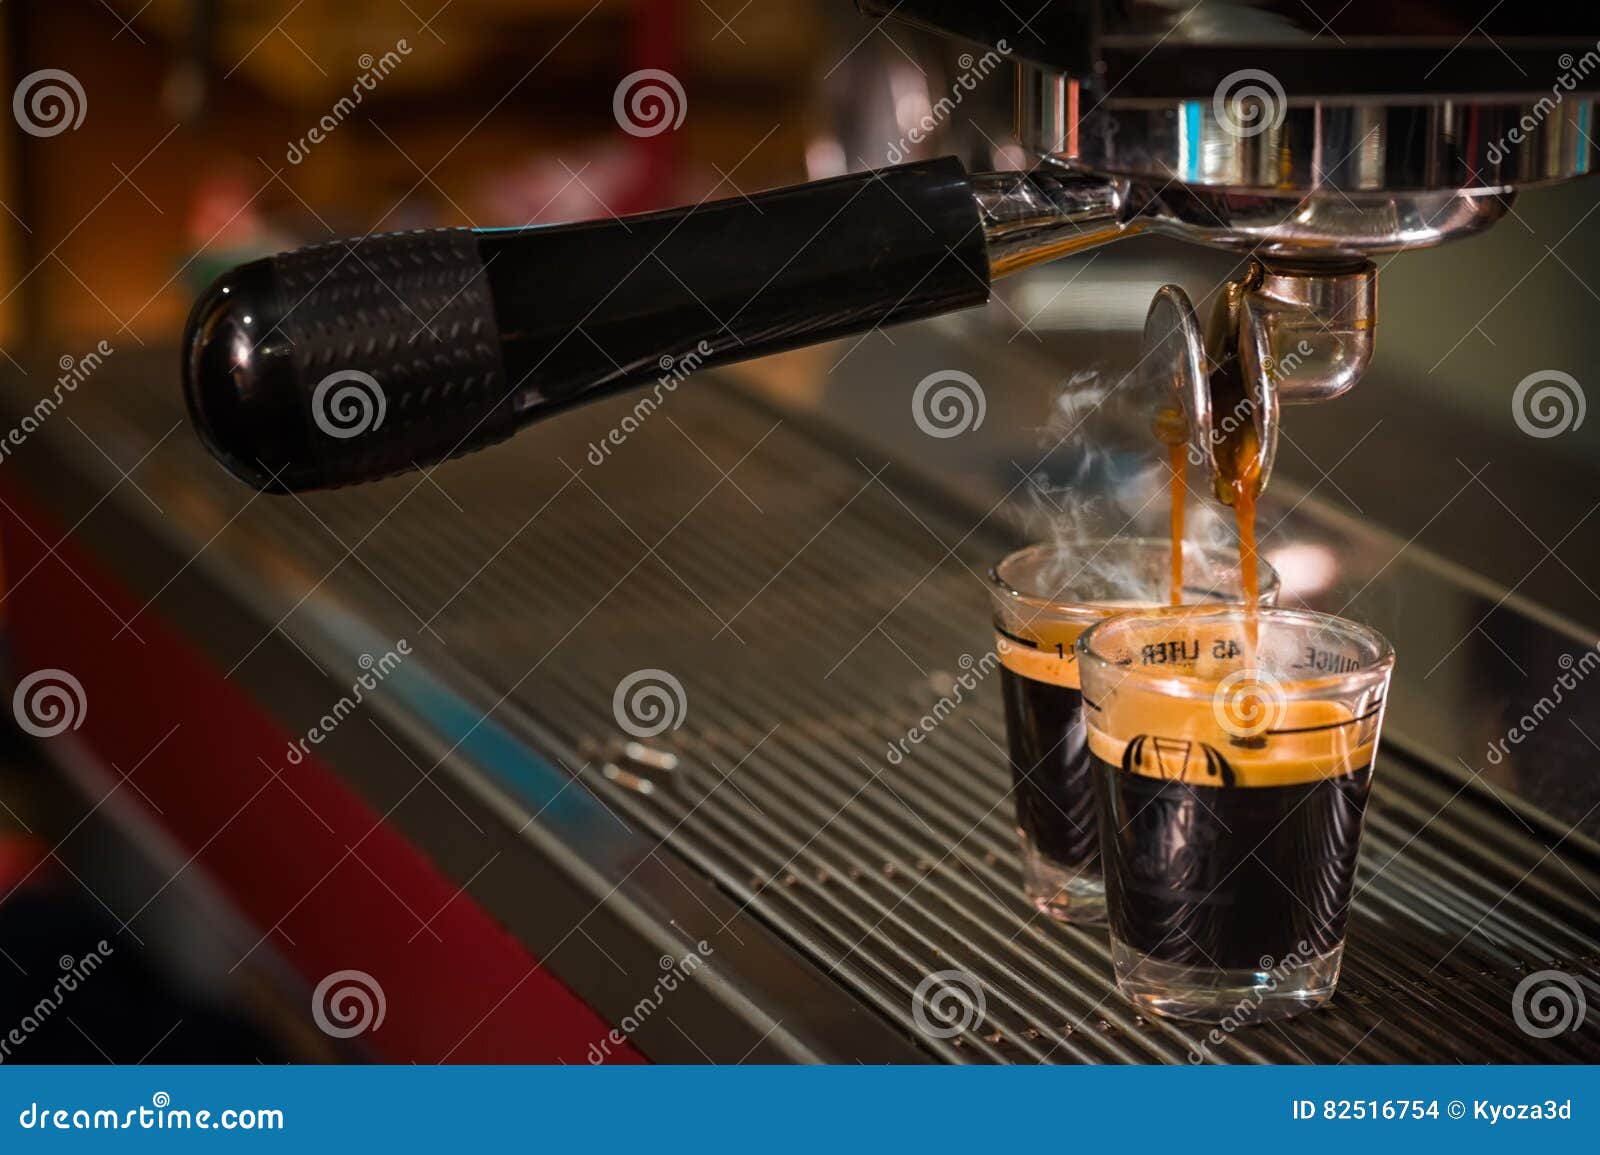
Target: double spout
1283, 334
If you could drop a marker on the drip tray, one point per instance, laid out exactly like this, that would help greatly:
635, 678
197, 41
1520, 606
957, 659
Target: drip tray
783, 614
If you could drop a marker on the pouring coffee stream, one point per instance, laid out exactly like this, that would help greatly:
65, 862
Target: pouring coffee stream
1219, 406
1172, 431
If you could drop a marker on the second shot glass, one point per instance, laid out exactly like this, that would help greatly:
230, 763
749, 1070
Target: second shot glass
1044, 596
1233, 757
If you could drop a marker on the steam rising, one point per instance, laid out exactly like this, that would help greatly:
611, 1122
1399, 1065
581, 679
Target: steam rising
1103, 474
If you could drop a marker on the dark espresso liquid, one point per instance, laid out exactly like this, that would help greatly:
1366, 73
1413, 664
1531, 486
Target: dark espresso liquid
1051, 771
1227, 876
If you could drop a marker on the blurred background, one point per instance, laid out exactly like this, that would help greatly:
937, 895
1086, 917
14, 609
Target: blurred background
210, 131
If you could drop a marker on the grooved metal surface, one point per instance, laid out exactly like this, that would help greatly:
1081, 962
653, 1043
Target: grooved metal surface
813, 608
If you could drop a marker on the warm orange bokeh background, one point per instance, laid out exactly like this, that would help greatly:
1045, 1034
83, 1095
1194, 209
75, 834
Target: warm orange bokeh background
187, 126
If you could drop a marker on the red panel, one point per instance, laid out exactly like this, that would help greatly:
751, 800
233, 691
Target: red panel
657, 43
301, 853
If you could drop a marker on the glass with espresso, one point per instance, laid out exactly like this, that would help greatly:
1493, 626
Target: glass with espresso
1044, 597
1232, 757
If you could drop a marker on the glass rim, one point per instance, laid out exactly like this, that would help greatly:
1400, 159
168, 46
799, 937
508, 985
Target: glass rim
1270, 583
1195, 687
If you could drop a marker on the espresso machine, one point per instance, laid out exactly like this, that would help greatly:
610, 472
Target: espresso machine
791, 568
1248, 125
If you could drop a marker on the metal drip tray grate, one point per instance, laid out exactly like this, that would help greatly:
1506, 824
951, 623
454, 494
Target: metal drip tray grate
812, 612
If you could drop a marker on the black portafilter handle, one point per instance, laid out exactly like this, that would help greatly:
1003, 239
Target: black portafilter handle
349, 361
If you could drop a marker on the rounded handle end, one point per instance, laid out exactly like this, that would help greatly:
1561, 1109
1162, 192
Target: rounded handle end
239, 380
348, 362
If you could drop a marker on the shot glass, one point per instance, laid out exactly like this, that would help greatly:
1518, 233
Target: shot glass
1044, 596
1232, 760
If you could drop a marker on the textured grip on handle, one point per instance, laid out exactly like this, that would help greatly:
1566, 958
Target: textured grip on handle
348, 361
